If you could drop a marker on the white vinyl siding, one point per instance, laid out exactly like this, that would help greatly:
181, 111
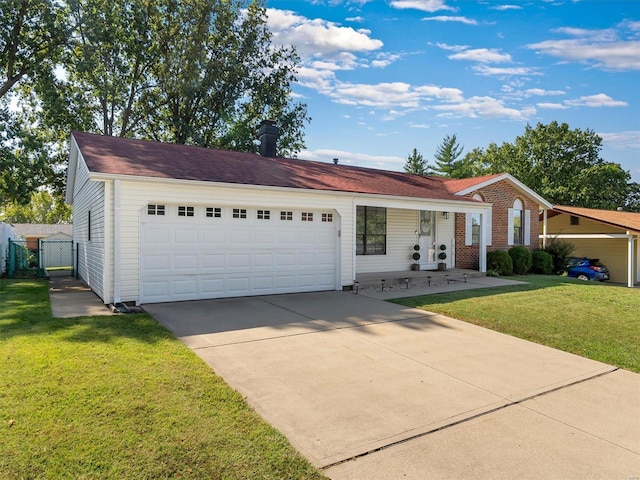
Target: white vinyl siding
89, 196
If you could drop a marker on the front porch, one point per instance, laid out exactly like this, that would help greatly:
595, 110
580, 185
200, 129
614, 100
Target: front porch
408, 279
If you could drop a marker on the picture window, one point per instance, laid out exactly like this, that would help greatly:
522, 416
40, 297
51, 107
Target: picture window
371, 231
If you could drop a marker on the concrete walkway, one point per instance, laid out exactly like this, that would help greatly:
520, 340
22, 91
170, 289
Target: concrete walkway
368, 389
72, 298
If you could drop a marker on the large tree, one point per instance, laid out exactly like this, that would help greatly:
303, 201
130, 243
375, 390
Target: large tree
200, 72
416, 163
446, 158
561, 164
33, 35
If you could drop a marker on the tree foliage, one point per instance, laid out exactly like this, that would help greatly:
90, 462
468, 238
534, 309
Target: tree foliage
561, 164
200, 72
416, 164
447, 163
32, 34
43, 207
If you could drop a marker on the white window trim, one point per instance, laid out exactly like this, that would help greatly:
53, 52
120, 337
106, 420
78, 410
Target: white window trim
510, 228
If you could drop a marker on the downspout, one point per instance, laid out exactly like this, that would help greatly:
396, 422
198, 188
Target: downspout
116, 241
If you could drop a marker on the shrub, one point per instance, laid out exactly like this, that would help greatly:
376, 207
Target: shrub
521, 257
541, 262
500, 262
560, 251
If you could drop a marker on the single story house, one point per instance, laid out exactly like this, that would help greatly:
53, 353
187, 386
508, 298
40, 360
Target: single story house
612, 236
33, 232
158, 222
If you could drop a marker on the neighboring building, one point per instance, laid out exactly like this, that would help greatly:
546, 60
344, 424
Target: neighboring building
7, 232
513, 217
611, 236
159, 222
32, 232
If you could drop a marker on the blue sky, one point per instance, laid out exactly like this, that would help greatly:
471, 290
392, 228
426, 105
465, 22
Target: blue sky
381, 77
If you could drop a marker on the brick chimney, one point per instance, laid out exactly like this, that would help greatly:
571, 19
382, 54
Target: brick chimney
268, 135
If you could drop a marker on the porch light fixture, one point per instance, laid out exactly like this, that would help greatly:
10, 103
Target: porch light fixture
383, 282
406, 282
445, 215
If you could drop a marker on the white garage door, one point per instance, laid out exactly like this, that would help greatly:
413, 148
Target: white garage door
198, 252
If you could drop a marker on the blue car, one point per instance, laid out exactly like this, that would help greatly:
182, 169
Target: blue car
587, 269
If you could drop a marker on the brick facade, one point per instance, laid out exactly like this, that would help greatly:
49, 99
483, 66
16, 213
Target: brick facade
502, 195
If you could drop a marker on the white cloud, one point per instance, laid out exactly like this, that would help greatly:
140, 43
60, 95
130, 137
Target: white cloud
357, 19
551, 106
539, 92
393, 95
482, 55
422, 5
505, 72
599, 100
453, 48
603, 48
622, 140
507, 7
353, 158
449, 18
385, 59
486, 107
317, 37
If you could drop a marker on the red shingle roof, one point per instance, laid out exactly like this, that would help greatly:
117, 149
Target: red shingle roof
120, 156
624, 220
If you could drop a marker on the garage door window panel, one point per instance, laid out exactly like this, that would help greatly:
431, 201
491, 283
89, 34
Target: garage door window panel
214, 212
371, 231
239, 213
184, 211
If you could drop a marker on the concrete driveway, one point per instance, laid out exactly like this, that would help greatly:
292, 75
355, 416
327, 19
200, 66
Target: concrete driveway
368, 389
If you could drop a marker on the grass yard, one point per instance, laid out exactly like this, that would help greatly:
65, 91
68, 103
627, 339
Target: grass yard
594, 320
120, 398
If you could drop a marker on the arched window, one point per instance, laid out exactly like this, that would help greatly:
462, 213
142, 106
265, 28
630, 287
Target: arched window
517, 223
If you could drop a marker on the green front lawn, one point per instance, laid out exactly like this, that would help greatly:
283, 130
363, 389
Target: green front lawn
120, 398
598, 321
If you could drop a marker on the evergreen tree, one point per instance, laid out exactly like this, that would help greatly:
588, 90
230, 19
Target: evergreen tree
416, 164
446, 157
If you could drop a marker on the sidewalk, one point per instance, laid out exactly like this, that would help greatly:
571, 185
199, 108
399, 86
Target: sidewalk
72, 298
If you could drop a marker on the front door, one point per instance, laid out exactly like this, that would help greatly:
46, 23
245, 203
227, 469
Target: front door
427, 242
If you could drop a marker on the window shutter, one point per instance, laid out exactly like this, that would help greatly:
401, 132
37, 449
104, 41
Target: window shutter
510, 228
489, 220
467, 229
527, 227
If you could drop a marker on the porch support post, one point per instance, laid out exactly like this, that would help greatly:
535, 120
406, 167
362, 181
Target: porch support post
544, 228
482, 247
630, 252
